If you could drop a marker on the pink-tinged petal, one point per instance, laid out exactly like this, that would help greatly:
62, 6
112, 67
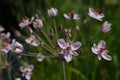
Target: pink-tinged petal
94, 49
27, 76
5, 36
24, 24
22, 68
102, 44
40, 57
17, 79
99, 57
76, 45
32, 41
106, 56
31, 67
66, 16
76, 17
1, 28
68, 56
18, 50
61, 43
100, 16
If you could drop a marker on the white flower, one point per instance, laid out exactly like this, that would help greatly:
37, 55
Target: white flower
100, 51
106, 27
26, 22
52, 12
38, 24
16, 47
32, 41
5, 36
68, 49
5, 47
72, 16
1, 28
97, 14
40, 57
27, 71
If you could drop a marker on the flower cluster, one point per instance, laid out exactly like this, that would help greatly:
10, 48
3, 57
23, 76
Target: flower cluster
54, 43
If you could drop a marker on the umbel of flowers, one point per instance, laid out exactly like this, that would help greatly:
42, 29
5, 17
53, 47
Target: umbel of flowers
63, 48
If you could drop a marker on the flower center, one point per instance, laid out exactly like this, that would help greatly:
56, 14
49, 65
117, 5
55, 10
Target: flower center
32, 41
68, 48
98, 11
101, 50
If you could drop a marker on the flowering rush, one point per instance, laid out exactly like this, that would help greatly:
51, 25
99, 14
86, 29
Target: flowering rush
106, 27
27, 71
100, 51
16, 47
68, 48
72, 16
26, 22
52, 12
96, 14
32, 41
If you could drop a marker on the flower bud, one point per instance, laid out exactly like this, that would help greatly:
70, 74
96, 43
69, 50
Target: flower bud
52, 12
59, 27
51, 36
51, 30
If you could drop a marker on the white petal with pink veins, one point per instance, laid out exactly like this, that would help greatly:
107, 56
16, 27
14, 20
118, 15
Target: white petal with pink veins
102, 44
68, 56
95, 49
61, 43
76, 45
31, 67
106, 56
106, 27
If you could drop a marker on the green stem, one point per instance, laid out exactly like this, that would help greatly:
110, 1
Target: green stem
9, 74
27, 55
55, 27
47, 47
63, 70
50, 42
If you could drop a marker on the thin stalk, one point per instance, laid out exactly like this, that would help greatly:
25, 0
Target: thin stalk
55, 28
27, 55
50, 42
47, 47
9, 75
63, 70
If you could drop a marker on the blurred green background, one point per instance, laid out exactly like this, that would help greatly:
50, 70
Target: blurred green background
84, 68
